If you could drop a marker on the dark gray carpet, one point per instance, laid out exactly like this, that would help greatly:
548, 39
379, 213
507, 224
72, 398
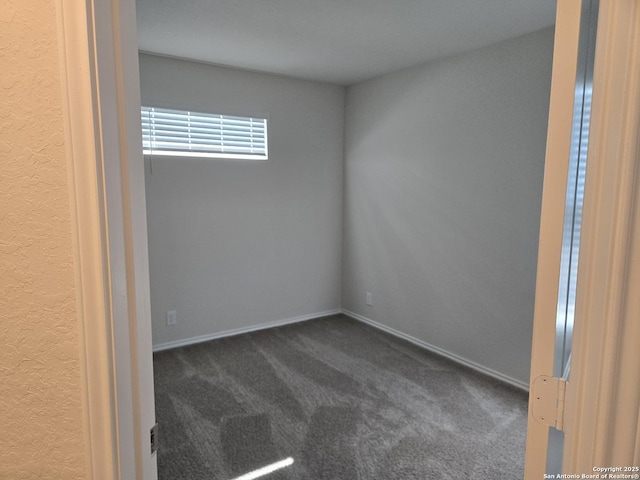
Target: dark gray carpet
344, 400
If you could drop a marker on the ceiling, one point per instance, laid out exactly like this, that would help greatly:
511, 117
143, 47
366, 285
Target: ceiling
337, 41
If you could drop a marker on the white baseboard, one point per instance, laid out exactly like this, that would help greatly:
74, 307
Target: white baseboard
439, 351
278, 323
237, 331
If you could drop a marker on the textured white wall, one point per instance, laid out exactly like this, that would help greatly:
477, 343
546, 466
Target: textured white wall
235, 244
41, 419
443, 181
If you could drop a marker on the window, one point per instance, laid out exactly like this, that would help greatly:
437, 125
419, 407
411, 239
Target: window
194, 134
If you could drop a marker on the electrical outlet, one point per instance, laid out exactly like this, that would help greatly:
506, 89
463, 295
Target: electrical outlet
172, 319
369, 299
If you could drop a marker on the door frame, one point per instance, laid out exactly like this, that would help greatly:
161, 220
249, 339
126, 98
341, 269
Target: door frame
97, 44
99, 74
556, 171
601, 419
603, 396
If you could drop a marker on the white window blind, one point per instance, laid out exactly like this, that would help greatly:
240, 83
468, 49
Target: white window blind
196, 134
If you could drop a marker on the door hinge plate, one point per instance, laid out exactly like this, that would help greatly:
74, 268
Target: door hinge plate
154, 439
548, 400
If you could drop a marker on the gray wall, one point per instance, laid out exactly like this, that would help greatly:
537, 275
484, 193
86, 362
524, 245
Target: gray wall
443, 184
235, 244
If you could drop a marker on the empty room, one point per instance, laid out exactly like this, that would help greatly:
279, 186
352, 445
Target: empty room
324, 223
343, 205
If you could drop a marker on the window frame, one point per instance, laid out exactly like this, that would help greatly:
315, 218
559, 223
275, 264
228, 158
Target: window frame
210, 131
